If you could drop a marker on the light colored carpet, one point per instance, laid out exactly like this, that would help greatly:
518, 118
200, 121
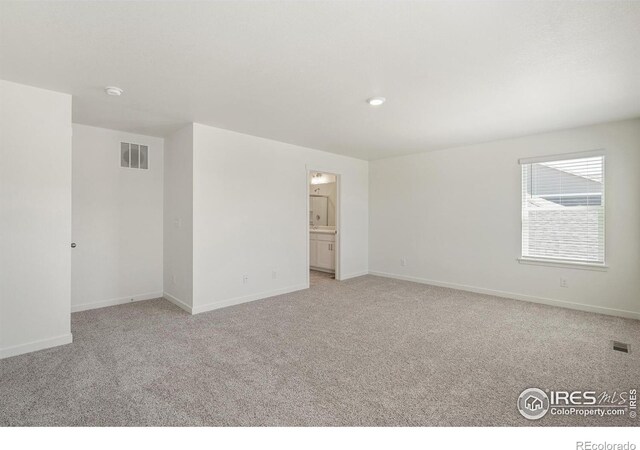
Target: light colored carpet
367, 351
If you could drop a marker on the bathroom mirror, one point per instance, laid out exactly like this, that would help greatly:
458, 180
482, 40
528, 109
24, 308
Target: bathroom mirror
322, 200
318, 210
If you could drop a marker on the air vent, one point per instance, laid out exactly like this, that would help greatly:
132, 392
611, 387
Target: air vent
620, 347
134, 156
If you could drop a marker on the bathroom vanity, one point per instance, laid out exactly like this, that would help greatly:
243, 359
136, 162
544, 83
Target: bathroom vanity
322, 255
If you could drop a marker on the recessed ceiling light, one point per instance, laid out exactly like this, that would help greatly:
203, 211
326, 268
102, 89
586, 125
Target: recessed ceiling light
376, 101
113, 90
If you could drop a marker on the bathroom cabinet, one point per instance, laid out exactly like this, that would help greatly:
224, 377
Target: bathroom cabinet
322, 254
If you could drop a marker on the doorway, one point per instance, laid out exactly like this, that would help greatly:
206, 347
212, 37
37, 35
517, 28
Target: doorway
323, 226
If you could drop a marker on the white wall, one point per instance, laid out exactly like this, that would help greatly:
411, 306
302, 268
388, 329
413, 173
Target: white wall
178, 217
35, 218
117, 220
250, 210
455, 216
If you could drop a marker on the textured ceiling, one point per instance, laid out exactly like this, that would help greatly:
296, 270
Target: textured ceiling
453, 72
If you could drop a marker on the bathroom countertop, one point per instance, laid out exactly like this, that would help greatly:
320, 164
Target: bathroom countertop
321, 231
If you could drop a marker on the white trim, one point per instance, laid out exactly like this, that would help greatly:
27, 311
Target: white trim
515, 296
176, 301
561, 157
559, 263
115, 301
355, 275
247, 298
34, 346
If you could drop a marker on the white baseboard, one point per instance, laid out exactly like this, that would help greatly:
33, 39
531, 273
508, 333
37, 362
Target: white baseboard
115, 301
353, 275
36, 345
514, 296
247, 298
179, 303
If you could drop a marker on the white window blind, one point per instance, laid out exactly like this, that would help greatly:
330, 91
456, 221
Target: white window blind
563, 209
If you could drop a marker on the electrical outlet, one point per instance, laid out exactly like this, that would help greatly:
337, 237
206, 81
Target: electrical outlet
563, 282
245, 279
274, 274
403, 262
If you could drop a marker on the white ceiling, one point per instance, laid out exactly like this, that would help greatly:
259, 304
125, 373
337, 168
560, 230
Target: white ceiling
300, 72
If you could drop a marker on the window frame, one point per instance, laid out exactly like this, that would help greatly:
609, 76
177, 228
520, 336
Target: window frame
562, 262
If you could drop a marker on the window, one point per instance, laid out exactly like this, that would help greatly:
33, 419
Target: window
135, 156
563, 208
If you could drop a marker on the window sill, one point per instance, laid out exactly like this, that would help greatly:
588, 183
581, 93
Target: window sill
567, 264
